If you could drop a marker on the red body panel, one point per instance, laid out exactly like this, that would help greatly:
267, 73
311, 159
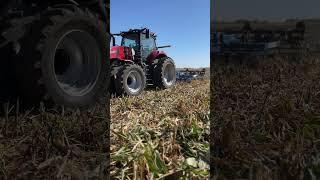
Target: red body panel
121, 53
124, 53
156, 54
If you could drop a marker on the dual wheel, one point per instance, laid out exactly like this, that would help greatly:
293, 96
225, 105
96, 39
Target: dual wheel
131, 79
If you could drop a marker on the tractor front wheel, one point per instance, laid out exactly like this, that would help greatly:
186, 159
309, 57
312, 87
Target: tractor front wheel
130, 80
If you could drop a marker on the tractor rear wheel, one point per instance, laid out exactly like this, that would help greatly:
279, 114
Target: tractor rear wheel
63, 60
164, 73
130, 80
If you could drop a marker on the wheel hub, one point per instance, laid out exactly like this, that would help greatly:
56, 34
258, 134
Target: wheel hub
62, 62
134, 81
169, 74
77, 63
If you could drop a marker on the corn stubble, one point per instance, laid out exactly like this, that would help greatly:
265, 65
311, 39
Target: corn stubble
266, 120
162, 134
54, 143
158, 135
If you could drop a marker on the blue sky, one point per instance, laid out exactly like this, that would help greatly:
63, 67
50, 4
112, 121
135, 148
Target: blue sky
183, 24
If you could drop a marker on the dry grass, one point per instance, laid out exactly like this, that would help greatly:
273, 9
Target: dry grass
158, 134
161, 134
266, 121
54, 145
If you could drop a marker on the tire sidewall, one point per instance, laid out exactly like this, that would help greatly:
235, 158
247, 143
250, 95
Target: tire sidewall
47, 62
126, 73
164, 63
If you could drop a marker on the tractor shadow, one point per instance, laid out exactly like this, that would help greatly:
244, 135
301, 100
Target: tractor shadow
147, 89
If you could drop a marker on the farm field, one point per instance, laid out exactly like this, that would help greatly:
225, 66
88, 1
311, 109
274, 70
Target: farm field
270, 122
158, 134
54, 143
161, 134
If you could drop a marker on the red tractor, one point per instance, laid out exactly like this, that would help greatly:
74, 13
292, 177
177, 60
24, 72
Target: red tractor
138, 63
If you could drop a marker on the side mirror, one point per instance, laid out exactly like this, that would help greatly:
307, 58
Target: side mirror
113, 40
147, 33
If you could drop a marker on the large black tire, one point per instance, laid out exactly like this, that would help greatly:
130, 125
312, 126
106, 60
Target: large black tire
64, 59
164, 73
130, 80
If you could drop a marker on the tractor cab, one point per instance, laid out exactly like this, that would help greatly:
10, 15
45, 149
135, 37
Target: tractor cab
141, 41
138, 44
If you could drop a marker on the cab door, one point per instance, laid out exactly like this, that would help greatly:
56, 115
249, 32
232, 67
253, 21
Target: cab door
147, 46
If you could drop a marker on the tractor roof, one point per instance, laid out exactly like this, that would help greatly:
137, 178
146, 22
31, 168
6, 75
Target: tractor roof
137, 31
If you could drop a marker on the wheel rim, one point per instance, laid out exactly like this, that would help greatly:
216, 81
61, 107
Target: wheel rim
134, 81
169, 74
77, 63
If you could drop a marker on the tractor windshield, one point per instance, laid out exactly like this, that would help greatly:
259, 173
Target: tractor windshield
130, 41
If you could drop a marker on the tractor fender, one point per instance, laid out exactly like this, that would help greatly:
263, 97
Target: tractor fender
155, 54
